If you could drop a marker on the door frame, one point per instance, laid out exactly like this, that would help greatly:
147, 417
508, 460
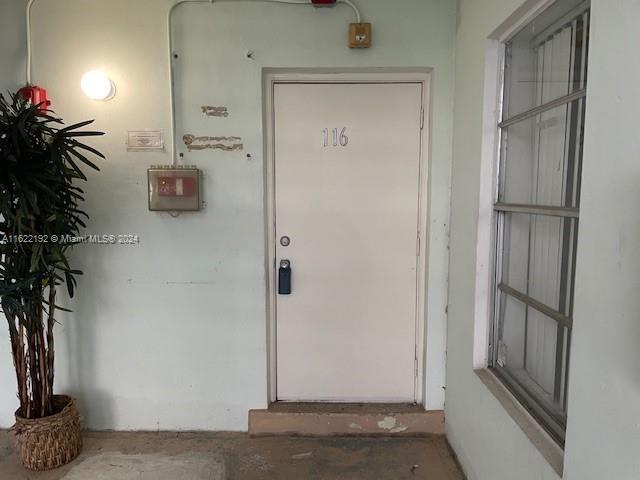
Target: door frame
272, 76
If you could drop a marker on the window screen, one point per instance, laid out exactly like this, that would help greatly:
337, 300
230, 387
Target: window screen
537, 208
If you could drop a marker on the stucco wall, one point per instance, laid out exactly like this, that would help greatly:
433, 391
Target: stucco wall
12, 45
12, 76
171, 333
603, 433
488, 442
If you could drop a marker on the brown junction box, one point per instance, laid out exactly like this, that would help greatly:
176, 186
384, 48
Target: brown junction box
359, 35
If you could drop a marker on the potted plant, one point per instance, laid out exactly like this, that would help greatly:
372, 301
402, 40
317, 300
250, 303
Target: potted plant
40, 213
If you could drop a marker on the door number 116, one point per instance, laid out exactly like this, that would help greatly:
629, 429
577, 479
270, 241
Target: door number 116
341, 139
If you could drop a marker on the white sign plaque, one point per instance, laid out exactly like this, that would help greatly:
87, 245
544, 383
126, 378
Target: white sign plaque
145, 140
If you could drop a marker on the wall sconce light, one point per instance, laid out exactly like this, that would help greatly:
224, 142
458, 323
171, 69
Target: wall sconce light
97, 85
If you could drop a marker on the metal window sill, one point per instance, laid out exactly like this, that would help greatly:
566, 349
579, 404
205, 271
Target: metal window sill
541, 440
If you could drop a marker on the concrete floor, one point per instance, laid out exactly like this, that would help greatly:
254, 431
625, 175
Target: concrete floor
231, 456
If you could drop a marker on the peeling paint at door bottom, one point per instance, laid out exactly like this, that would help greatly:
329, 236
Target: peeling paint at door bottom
389, 423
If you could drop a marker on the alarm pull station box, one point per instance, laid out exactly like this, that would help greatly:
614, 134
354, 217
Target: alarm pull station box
174, 188
359, 35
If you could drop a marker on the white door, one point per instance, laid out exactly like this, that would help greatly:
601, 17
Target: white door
347, 170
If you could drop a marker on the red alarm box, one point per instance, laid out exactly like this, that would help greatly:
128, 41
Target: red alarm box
176, 186
36, 95
323, 3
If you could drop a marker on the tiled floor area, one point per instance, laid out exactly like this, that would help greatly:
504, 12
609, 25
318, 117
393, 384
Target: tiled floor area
231, 456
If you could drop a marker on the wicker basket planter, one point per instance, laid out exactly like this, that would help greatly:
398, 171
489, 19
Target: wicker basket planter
52, 441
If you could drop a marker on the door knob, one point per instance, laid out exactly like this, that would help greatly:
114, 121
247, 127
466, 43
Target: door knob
284, 277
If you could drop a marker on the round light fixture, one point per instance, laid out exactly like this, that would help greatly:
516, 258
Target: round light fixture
97, 85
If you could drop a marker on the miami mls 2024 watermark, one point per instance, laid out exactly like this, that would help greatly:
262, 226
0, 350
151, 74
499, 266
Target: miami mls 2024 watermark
92, 239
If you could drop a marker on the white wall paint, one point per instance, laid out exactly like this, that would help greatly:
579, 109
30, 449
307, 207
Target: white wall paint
171, 334
12, 45
12, 76
603, 433
489, 444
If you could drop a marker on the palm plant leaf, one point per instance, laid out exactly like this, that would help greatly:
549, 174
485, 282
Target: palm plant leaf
41, 160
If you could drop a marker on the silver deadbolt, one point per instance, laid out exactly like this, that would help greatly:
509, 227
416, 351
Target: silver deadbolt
285, 241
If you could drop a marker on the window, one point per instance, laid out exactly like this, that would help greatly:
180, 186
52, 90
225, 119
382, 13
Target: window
537, 208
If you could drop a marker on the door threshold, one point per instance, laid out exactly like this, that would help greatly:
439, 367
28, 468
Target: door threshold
344, 407
345, 419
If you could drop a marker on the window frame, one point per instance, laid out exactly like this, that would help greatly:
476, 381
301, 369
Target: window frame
548, 417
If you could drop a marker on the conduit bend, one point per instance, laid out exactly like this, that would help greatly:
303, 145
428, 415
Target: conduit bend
170, 37
174, 158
